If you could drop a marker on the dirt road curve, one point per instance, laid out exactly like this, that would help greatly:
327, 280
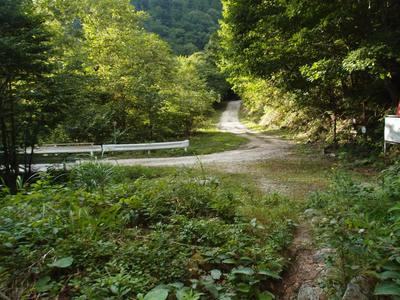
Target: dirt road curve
259, 146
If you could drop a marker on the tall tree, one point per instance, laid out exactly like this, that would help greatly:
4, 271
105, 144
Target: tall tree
25, 109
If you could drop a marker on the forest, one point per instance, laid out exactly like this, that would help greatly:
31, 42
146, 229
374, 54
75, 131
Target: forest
185, 24
326, 67
82, 72
284, 191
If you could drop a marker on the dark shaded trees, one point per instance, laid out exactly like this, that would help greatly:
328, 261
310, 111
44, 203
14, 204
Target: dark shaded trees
339, 59
26, 108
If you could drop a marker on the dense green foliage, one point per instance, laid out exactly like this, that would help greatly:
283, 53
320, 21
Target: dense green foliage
110, 233
131, 88
326, 62
28, 103
84, 71
185, 24
361, 222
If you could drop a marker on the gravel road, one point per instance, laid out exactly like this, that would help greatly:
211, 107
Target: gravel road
260, 146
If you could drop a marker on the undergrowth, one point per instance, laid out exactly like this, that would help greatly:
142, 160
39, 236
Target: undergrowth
361, 222
138, 233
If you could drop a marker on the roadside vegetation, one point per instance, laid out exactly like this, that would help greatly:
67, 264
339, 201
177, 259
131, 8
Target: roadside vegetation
326, 70
360, 222
84, 71
104, 232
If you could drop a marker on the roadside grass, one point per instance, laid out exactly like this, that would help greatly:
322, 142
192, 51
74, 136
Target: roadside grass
250, 122
297, 175
306, 169
206, 140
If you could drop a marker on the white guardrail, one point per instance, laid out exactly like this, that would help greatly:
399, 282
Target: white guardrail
68, 149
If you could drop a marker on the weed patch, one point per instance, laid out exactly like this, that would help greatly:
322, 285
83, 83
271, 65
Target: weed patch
361, 222
142, 233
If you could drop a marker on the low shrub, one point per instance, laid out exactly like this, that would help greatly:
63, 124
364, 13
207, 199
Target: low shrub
129, 233
360, 221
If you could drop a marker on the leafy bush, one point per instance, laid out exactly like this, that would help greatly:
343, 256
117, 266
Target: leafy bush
94, 238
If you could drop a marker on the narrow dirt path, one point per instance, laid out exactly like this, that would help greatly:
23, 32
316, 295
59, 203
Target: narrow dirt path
305, 267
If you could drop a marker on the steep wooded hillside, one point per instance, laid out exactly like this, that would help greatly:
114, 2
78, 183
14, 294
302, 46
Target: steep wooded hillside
185, 24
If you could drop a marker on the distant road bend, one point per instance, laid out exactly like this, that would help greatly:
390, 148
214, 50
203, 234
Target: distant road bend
259, 147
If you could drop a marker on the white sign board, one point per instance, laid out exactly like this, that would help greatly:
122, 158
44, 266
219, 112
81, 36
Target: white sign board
392, 129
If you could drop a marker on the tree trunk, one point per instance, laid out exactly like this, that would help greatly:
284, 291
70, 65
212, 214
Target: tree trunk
188, 128
393, 90
334, 119
8, 133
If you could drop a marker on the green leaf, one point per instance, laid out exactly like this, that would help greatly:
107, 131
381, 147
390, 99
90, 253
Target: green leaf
389, 275
243, 287
181, 294
140, 297
62, 263
229, 261
269, 273
387, 288
266, 296
157, 294
246, 259
392, 267
114, 289
225, 297
212, 289
216, 274
244, 271
396, 208
43, 284
177, 285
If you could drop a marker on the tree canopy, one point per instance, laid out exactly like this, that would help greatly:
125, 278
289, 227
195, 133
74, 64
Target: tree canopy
84, 71
339, 59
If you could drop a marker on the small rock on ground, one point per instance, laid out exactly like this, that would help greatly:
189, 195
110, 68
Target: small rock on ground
311, 212
359, 288
321, 255
309, 292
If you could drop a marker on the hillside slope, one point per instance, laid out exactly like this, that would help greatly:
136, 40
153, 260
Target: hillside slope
185, 24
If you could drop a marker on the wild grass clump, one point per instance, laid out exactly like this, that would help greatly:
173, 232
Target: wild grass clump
122, 233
